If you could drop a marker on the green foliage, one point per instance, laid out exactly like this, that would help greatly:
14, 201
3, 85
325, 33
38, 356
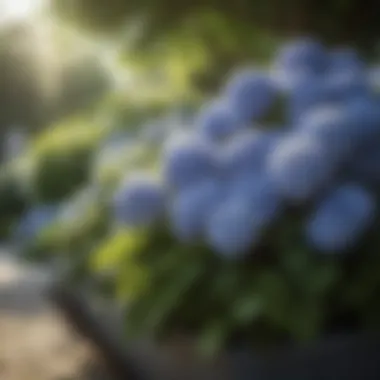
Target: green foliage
285, 291
114, 250
114, 165
58, 176
13, 202
61, 159
128, 111
82, 226
336, 21
113, 253
84, 84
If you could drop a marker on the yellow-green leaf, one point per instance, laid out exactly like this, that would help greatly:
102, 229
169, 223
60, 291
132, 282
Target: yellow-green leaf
120, 246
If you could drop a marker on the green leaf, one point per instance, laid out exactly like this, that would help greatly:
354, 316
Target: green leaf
296, 262
213, 338
165, 297
276, 295
225, 285
322, 278
116, 249
247, 308
306, 321
132, 280
277, 113
365, 283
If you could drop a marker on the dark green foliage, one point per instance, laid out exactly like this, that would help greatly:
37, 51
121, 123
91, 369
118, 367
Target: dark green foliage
200, 42
73, 238
13, 202
59, 175
284, 292
337, 21
62, 158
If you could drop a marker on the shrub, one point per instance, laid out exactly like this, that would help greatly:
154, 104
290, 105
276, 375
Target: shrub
62, 158
245, 252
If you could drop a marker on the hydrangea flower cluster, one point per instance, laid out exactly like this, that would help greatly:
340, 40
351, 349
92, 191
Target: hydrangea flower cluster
230, 177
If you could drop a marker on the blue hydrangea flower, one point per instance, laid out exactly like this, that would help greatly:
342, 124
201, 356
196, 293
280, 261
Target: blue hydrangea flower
188, 159
248, 151
302, 55
191, 209
251, 94
139, 202
239, 222
232, 229
218, 121
299, 167
341, 219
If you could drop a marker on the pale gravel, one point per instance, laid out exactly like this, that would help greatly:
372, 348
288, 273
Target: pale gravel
35, 343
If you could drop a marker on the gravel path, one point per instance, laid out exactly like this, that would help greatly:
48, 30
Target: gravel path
35, 343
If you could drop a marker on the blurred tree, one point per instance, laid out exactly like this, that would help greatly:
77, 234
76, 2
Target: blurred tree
336, 20
194, 44
82, 85
22, 96
37, 87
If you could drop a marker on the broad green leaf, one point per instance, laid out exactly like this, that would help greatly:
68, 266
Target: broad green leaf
71, 133
131, 282
164, 298
116, 249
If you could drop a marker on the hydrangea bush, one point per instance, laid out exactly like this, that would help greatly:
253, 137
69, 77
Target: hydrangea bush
261, 222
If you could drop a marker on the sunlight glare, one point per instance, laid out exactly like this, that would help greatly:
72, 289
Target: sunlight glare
15, 10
